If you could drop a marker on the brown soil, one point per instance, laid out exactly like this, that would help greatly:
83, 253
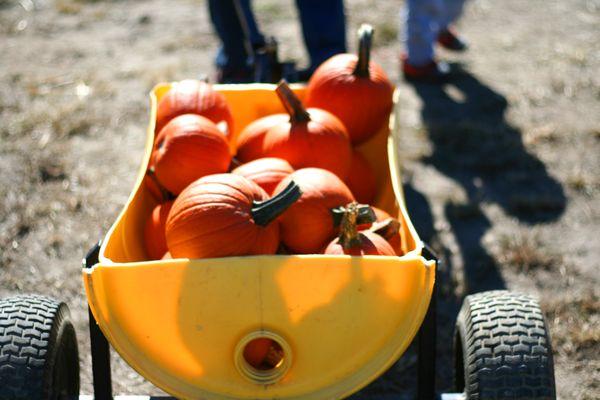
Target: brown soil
499, 165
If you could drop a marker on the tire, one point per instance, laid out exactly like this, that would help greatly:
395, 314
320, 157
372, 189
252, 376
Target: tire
38, 349
502, 348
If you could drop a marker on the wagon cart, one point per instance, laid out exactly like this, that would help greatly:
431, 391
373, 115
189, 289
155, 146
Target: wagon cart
339, 321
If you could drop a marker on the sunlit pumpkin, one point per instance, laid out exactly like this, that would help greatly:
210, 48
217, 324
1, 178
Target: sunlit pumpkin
305, 138
389, 229
226, 215
189, 147
154, 231
353, 242
157, 191
354, 89
309, 224
265, 172
194, 97
361, 179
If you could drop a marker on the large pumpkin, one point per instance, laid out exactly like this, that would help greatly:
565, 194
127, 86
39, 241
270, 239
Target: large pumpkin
305, 138
154, 231
354, 89
361, 179
355, 243
265, 172
194, 97
309, 224
226, 215
189, 147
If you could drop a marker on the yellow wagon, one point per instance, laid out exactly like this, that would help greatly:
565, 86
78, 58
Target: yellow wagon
340, 321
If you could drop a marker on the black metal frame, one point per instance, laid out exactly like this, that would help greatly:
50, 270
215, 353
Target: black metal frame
426, 345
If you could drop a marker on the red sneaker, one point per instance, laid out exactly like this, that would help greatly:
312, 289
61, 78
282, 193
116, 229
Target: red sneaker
432, 71
449, 39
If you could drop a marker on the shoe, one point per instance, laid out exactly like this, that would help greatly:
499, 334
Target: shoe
432, 72
449, 39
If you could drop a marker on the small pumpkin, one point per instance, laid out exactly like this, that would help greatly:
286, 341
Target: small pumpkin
256, 351
265, 172
361, 179
354, 242
306, 138
154, 231
309, 223
194, 97
355, 89
226, 215
189, 147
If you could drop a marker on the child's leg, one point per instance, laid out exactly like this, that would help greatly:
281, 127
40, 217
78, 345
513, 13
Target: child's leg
451, 11
420, 28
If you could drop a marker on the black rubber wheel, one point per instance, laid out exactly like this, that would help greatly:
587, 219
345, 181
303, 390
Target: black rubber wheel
502, 348
38, 349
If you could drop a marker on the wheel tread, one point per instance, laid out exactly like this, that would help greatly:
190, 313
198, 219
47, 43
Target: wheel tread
506, 348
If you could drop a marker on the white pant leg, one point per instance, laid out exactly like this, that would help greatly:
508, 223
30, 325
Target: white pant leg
451, 11
420, 29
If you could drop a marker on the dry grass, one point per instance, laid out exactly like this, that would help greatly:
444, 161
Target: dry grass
525, 252
574, 323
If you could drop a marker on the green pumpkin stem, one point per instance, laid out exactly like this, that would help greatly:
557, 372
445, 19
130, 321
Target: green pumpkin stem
352, 215
292, 103
265, 212
365, 40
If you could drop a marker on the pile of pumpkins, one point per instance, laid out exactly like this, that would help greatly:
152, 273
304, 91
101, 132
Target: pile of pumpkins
295, 182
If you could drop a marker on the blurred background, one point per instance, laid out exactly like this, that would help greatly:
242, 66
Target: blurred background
501, 164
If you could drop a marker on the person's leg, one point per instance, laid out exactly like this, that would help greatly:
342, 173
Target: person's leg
452, 9
323, 27
420, 30
447, 36
233, 57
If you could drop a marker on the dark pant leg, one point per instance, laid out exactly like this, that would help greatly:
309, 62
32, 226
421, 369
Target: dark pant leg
323, 27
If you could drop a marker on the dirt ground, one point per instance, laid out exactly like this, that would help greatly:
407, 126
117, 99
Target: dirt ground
500, 166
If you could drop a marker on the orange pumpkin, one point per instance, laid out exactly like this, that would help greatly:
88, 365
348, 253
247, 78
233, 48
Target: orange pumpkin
226, 215
354, 89
309, 223
194, 97
355, 243
154, 231
361, 179
189, 147
256, 351
305, 138
265, 172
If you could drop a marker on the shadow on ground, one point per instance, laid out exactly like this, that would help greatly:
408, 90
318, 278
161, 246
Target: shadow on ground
476, 147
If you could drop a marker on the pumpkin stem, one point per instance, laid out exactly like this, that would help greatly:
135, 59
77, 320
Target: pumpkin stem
165, 194
265, 212
292, 103
387, 228
366, 215
365, 40
349, 236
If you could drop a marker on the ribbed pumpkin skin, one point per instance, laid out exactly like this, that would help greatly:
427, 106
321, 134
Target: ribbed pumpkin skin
371, 244
258, 128
307, 226
321, 142
154, 231
193, 97
361, 179
265, 172
212, 218
362, 104
189, 147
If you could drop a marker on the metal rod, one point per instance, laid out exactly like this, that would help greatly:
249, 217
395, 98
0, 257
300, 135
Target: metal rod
426, 359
